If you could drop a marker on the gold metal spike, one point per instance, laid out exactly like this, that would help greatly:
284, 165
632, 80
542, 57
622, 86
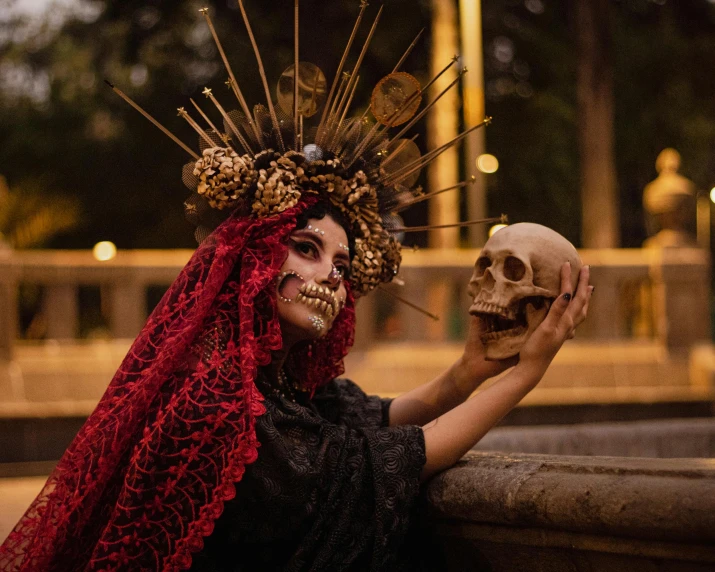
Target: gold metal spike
262, 73
296, 64
392, 156
185, 114
412, 305
337, 78
428, 196
228, 120
206, 119
163, 129
498, 219
360, 58
336, 139
407, 170
331, 114
232, 79
408, 51
429, 106
378, 130
398, 65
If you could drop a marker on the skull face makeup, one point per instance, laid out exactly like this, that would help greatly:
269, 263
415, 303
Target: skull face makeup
310, 289
516, 278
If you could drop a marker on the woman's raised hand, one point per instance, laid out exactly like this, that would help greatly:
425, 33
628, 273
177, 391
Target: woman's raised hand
474, 357
565, 314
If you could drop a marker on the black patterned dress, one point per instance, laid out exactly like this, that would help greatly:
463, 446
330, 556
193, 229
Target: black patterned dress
333, 488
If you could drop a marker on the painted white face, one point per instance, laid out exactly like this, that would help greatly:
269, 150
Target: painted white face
311, 289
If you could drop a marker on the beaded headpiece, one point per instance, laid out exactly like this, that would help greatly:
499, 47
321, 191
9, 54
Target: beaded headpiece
260, 162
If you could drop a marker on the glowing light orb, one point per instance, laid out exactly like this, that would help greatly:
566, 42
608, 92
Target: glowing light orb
495, 228
487, 163
104, 251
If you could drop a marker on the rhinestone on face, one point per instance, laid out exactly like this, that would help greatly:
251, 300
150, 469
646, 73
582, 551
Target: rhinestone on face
335, 275
316, 230
345, 248
317, 322
279, 281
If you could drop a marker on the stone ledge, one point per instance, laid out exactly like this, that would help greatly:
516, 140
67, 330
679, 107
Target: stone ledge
654, 500
537, 538
662, 438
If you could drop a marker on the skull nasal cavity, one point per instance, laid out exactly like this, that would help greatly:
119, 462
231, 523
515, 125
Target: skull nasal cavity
514, 269
483, 262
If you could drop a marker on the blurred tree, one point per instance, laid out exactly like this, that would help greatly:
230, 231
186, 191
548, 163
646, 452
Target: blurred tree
663, 66
595, 103
29, 217
57, 117
58, 120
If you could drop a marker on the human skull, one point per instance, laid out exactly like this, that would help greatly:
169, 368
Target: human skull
516, 278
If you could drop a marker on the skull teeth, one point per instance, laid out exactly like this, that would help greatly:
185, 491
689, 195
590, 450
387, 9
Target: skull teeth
485, 308
321, 299
499, 334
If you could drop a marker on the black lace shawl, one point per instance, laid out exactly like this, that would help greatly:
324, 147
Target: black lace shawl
333, 489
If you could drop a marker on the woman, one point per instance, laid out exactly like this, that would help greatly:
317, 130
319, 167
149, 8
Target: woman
225, 440
299, 508
175, 441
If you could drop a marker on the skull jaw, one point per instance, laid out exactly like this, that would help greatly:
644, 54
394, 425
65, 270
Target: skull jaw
506, 347
510, 345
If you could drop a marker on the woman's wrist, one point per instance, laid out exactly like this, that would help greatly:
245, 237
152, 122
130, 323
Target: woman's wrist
469, 373
529, 372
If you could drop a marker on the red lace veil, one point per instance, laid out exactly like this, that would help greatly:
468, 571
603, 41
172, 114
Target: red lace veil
148, 473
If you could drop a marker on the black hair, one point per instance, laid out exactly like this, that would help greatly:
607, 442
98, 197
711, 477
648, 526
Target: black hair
319, 211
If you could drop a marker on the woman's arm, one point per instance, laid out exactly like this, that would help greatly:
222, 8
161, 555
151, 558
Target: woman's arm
421, 405
451, 435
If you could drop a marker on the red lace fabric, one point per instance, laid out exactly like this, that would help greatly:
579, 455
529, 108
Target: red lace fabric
148, 473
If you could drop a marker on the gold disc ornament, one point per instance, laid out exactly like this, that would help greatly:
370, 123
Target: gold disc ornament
400, 154
312, 89
395, 99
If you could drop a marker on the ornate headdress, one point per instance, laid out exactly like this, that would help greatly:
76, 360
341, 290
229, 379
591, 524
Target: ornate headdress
260, 162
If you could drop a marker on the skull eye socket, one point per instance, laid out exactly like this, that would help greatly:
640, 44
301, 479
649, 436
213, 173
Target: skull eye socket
514, 269
483, 262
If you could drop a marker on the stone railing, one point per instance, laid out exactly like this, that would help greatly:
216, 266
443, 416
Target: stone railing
661, 295
515, 511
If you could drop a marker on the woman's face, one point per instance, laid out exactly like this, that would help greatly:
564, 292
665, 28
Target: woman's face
310, 287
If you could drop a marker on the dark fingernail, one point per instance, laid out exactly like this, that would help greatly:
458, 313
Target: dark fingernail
567, 297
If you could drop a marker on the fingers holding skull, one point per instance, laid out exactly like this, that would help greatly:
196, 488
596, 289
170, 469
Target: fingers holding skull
571, 308
566, 313
578, 308
581, 316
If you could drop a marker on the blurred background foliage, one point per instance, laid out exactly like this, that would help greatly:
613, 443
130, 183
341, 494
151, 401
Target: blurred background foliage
63, 129
31, 216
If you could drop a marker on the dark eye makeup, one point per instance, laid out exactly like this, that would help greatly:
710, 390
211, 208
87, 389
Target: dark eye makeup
305, 247
308, 248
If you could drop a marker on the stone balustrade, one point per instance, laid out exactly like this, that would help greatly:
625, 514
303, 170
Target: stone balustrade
516, 511
662, 295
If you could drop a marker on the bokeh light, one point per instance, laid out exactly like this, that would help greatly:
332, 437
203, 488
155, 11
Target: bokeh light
495, 228
104, 251
712, 194
487, 163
